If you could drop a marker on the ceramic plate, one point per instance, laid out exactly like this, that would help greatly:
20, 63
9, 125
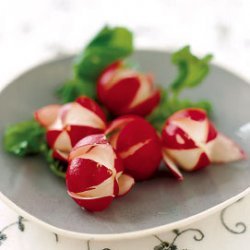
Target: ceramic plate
30, 185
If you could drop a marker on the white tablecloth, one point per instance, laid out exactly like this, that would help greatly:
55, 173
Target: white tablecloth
34, 31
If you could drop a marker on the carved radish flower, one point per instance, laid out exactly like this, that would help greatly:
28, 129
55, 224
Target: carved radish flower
137, 144
67, 124
95, 174
191, 142
126, 91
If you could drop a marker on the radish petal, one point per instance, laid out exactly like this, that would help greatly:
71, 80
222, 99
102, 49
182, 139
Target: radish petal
92, 140
222, 150
172, 166
63, 142
90, 104
78, 151
143, 93
146, 106
106, 188
118, 76
79, 115
197, 130
102, 154
93, 204
187, 159
47, 115
125, 182
133, 149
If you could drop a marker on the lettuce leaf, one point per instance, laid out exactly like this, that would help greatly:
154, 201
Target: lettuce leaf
109, 45
75, 88
191, 72
24, 138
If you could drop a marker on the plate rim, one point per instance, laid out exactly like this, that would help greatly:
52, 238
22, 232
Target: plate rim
128, 235
124, 235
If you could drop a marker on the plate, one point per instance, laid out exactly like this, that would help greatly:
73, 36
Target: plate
162, 201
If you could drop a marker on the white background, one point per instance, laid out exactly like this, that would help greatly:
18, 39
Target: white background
33, 31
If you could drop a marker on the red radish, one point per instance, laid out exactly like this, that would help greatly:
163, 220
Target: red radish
137, 144
126, 91
69, 123
95, 174
191, 142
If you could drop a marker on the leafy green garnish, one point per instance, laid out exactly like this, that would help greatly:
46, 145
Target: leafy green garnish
24, 138
57, 167
28, 138
191, 72
75, 88
109, 45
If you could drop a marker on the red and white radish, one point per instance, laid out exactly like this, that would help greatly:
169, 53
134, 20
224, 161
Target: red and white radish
126, 91
137, 144
69, 123
95, 174
191, 142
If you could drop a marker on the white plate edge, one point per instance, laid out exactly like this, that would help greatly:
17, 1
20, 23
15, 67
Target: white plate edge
128, 235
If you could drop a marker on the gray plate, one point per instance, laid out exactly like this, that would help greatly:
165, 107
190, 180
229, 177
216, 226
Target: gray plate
31, 186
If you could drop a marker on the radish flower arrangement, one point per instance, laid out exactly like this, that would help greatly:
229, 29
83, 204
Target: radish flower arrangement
95, 174
116, 126
139, 94
65, 125
191, 142
137, 144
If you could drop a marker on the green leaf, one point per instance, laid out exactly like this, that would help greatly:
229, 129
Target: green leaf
191, 69
28, 138
75, 88
109, 45
117, 37
158, 117
24, 138
58, 168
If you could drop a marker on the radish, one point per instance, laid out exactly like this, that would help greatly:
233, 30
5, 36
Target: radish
126, 91
137, 144
191, 142
95, 174
47, 115
69, 123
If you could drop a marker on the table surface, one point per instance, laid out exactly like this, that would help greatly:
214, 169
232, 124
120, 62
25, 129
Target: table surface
34, 31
